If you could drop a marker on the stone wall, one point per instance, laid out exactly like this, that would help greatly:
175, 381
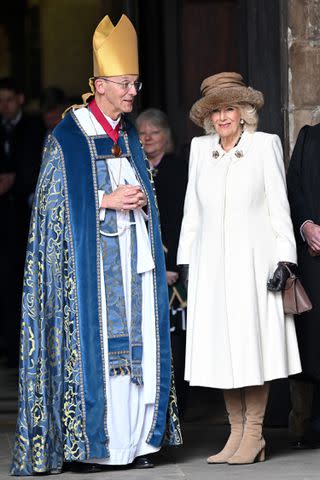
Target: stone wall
304, 65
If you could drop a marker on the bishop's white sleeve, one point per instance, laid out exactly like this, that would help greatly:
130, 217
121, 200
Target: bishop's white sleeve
190, 219
276, 193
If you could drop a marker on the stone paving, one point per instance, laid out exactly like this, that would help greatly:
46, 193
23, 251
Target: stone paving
203, 435
188, 462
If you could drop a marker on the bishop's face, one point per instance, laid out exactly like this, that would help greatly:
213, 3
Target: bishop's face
115, 95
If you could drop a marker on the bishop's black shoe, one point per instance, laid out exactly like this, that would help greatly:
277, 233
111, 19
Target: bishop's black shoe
142, 462
81, 467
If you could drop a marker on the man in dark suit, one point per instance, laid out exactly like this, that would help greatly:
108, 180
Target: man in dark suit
21, 138
304, 196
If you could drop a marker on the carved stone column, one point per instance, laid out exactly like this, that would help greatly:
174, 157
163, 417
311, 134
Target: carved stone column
303, 65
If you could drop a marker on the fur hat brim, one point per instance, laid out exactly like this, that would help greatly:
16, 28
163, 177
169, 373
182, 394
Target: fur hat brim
219, 97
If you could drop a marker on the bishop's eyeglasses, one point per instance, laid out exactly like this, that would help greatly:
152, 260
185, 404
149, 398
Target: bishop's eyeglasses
125, 85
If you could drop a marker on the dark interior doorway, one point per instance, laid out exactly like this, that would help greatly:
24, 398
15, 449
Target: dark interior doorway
184, 41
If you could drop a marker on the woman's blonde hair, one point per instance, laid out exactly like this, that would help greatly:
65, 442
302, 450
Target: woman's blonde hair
160, 120
249, 115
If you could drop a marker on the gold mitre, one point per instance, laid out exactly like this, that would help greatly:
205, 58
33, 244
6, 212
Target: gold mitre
115, 48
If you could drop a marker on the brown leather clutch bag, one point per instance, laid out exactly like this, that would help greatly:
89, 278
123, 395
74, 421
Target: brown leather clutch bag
294, 297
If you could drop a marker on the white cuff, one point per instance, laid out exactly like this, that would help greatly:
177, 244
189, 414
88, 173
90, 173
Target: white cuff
301, 229
102, 211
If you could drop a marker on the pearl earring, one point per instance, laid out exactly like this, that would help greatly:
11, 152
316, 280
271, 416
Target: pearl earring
241, 121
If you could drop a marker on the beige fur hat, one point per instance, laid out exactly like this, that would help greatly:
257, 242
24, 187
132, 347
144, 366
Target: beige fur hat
226, 88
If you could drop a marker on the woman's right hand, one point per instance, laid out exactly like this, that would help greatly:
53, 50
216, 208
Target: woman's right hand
124, 198
280, 276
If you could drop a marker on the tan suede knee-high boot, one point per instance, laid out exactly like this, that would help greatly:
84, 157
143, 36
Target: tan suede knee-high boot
252, 446
235, 410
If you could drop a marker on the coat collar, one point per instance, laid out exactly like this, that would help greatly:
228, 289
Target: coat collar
239, 151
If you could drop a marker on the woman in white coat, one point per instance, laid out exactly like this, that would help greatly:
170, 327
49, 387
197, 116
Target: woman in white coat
236, 235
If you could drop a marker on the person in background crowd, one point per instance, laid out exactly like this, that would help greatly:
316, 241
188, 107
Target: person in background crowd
169, 172
303, 179
237, 233
96, 385
20, 153
52, 106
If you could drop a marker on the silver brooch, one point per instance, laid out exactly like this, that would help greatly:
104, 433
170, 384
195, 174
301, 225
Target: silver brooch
238, 153
215, 154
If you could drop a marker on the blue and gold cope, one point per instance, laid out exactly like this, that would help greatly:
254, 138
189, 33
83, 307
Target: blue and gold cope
62, 403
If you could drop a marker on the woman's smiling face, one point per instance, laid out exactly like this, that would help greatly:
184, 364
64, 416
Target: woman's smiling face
226, 121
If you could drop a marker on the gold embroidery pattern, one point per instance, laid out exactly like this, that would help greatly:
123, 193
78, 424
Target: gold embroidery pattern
173, 435
50, 421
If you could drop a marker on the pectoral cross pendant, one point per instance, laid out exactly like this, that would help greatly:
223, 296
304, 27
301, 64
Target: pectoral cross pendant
116, 150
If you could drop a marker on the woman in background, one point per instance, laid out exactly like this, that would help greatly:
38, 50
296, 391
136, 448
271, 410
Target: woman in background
169, 173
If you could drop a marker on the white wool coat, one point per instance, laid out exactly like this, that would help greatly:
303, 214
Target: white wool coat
236, 228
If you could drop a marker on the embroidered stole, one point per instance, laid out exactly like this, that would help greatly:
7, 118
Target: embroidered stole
124, 345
